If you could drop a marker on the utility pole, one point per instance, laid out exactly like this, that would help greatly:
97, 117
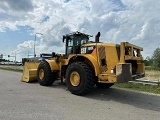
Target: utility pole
15, 57
35, 44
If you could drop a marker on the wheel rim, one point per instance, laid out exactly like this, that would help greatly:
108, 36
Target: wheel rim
41, 74
75, 78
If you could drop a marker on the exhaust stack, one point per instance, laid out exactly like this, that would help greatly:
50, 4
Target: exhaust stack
97, 37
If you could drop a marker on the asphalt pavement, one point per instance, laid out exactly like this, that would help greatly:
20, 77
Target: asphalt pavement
30, 101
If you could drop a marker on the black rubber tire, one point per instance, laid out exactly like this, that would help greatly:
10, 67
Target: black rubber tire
87, 78
134, 66
104, 85
134, 69
48, 78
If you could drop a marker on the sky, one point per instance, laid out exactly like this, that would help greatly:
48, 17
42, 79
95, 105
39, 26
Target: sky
134, 21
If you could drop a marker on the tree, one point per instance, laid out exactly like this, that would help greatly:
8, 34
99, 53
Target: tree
148, 61
156, 58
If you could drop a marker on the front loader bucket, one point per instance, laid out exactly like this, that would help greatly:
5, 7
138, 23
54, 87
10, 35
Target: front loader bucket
30, 71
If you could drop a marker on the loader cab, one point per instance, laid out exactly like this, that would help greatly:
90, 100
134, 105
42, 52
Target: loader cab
74, 41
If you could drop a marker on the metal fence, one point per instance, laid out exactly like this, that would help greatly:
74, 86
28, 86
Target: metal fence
147, 82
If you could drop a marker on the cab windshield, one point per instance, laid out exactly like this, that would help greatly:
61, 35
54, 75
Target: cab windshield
74, 43
78, 40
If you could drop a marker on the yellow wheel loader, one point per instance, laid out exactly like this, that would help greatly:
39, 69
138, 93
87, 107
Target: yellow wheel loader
86, 64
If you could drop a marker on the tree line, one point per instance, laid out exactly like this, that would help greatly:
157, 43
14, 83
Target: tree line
4, 60
154, 60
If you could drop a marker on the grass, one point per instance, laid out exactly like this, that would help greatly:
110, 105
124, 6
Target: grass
11, 69
139, 87
152, 74
151, 68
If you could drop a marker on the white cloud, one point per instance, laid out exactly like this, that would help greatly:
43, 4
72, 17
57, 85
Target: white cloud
135, 21
18, 5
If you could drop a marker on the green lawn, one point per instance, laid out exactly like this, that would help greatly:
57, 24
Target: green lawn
10, 69
139, 87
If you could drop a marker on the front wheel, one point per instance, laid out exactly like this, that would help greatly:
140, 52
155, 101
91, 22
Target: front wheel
45, 76
80, 78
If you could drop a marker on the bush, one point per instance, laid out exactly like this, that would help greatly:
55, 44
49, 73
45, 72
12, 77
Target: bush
156, 58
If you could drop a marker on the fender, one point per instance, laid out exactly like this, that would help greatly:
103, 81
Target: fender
89, 59
53, 65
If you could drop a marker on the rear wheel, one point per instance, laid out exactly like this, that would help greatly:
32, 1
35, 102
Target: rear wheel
45, 76
104, 85
134, 66
134, 69
80, 78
